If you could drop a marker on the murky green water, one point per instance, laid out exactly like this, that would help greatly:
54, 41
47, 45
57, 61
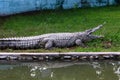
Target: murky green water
105, 70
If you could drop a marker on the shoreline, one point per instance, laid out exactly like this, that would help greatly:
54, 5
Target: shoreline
64, 56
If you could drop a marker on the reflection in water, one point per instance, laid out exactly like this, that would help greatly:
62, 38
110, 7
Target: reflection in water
43, 70
98, 69
107, 70
116, 69
5, 67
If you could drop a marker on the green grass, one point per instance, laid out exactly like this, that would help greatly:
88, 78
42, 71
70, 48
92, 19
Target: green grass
52, 21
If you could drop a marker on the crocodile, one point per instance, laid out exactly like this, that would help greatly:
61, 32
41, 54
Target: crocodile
50, 40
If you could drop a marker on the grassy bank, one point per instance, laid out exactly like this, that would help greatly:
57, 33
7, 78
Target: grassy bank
74, 20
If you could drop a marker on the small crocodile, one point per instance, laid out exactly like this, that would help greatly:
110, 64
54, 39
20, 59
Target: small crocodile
50, 40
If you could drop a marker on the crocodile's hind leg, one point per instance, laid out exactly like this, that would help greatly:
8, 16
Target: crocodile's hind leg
49, 44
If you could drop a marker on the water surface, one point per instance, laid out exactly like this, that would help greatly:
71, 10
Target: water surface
104, 70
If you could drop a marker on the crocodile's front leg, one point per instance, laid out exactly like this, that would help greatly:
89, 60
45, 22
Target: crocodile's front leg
79, 43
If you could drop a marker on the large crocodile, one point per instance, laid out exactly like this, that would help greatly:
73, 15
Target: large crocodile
50, 40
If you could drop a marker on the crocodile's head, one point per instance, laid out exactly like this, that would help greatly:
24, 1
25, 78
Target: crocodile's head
88, 36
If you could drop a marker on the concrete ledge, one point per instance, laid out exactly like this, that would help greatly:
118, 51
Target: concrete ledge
60, 56
59, 53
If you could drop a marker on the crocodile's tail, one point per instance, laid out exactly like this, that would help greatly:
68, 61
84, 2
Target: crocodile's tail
4, 44
18, 44
90, 31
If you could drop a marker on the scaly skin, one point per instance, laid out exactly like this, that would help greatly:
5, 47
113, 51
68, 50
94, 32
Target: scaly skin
69, 39
50, 40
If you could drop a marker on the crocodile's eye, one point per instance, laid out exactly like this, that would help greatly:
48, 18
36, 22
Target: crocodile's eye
88, 35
